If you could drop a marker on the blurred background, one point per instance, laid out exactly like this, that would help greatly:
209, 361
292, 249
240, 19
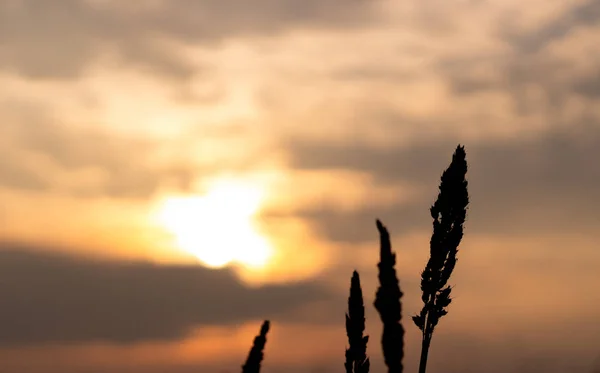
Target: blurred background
174, 172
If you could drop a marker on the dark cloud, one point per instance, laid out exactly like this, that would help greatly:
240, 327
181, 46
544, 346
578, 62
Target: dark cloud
539, 80
48, 298
59, 38
588, 86
583, 14
466, 354
536, 84
232, 365
531, 184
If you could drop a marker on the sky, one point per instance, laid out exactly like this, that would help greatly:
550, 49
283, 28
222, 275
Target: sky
174, 172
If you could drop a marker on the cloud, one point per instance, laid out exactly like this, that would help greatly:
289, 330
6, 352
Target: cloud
541, 65
540, 85
542, 182
528, 117
60, 38
582, 14
48, 298
39, 154
80, 158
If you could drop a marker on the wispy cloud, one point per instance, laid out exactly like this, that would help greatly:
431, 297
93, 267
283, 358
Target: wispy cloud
59, 39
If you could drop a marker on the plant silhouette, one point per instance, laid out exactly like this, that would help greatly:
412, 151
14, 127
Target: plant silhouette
388, 304
356, 354
255, 356
449, 214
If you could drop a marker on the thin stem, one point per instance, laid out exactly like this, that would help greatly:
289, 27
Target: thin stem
424, 352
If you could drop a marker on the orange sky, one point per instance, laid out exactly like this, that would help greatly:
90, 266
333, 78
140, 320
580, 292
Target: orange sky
286, 127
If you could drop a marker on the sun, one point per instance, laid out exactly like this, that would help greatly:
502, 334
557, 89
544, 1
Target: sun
219, 227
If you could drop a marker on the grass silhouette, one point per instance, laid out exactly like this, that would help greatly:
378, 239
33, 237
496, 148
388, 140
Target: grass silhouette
255, 356
356, 354
449, 214
388, 304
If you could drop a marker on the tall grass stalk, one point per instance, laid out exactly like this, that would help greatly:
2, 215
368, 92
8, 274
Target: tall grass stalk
255, 356
449, 214
356, 354
388, 304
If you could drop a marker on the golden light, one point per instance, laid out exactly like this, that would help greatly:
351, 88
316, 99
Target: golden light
219, 227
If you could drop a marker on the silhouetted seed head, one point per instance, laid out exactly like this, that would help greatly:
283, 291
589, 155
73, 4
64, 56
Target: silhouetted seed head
448, 213
388, 304
255, 356
356, 354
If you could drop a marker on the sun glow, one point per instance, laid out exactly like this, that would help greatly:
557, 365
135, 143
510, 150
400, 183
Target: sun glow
219, 227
